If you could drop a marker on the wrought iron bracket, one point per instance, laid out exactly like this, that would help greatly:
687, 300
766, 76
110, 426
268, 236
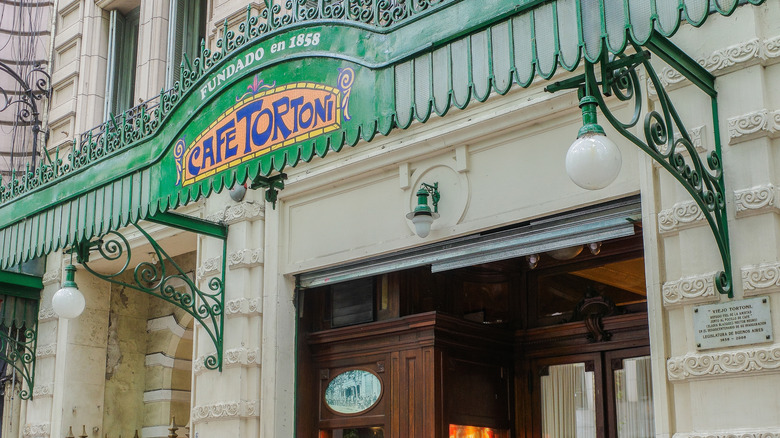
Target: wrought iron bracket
166, 279
19, 344
272, 186
34, 87
665, 138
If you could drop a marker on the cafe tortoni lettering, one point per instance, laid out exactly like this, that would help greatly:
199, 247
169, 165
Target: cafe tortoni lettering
265, 118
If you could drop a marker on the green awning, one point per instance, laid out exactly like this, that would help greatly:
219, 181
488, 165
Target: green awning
385, 64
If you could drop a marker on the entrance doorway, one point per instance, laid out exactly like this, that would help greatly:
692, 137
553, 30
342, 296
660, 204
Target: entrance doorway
554, 345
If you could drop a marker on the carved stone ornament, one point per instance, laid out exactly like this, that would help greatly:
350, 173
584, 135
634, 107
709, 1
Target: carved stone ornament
226, 411
244, 307
52, 277
243, 211
760, 123
708, 365
681, 216
46, 314
36, 430
690, 290
729, 59
756, 200
731, 434
246, 258
237, 357
48, 350
43, 391
761, 279
209, 267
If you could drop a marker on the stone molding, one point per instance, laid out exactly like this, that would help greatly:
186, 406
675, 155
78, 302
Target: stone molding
690, 290
36, 430
209, 267
51, 277
166, 395
162, 360
244, 307
731, 58
741, 433
243, 211
761, 279
47, 314
708, 365
756, 200
49, 350
756, 124
168, 323
225, 411
43, 391
681, 216
237, 357
246, 258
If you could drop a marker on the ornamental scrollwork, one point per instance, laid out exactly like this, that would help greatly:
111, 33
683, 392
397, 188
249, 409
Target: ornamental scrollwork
17, 348
164, 279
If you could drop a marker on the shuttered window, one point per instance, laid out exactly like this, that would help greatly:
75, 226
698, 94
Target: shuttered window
122, 52
186, 28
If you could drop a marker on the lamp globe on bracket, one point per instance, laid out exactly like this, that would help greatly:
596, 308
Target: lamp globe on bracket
593, 160
68, 302
422, 216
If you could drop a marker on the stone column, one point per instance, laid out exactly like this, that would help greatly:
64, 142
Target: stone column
71, 361
228, 403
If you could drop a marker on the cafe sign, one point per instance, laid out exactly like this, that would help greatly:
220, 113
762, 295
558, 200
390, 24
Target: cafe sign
265, 118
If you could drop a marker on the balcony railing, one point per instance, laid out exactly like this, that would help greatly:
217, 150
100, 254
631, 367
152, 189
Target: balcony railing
142, 121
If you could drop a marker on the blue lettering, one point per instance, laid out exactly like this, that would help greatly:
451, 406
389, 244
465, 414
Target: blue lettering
193, 169
226, 136
278, 121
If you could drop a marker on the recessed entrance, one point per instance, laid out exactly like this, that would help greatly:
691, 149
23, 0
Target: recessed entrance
554, 345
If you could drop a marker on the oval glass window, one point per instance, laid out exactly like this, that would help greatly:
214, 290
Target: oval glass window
353, 392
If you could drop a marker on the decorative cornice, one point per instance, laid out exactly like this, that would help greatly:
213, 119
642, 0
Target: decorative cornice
43, 391
740, 433
36, 430
708, 365
244, 307
760, 123
209, 267
729, 59
46, 314
226, 411
761, 279
49, 350
681, 216
690, 290
237, 357
756, 200
243, 211
246, 258
51, 277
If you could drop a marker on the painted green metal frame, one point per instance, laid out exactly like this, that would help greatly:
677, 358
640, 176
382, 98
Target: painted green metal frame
665, 136
159, 279
18, 344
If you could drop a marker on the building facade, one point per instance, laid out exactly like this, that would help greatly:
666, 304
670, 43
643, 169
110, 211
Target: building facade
235, 184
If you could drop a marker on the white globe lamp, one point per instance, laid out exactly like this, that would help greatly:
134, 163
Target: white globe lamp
68, 302
593, 161
422, 216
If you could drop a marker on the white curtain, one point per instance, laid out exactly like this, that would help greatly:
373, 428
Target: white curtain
568, 402
634, 399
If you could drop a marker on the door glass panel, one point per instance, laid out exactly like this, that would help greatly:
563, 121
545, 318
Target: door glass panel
568, 402
358, 432
634, 399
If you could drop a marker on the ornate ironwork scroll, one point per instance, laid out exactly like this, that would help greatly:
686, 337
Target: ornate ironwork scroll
17, 348
34, 87
166, 280
665, 138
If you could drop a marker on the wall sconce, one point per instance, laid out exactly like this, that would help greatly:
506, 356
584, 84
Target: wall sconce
68, 302
422, 217
593, 160
533, 260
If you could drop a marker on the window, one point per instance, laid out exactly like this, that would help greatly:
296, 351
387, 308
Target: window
186, 28
122, 51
